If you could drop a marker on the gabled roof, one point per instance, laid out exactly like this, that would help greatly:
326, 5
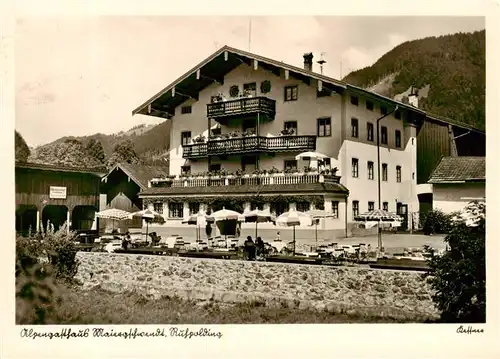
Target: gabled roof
140, 174
56, 168
459, 170
216, 66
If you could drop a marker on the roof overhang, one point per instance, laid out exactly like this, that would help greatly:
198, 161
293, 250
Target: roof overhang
212, 70
43, 167
127, 172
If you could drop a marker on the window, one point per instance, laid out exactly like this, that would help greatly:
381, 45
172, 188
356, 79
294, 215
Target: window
250, 89
158, 207
214, 168
175, 210
185, 170
370, 170
216, 132
383, 110
354, 127
326, 162
369, 105
185, 138
249, 125
398, 138
354, 167
397, 115
278, 208
335, 209
291, 125
291, 93
249, 163
383, 135
303, 206
186, 109
354, 100
355, 208
324, 127
385, 206
369, 131
371, 206
290, 164
384, 171
254, 206
194, 208
398, 173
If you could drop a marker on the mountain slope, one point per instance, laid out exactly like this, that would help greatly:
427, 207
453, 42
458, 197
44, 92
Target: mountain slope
151, 143
452, 66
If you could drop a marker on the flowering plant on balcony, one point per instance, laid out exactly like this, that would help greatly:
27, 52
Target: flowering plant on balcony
309, 169
249, 132
199, 139
328, 171
287, 132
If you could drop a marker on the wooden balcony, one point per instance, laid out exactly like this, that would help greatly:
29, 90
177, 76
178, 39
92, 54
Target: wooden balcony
242, 107
250, 144
247, 180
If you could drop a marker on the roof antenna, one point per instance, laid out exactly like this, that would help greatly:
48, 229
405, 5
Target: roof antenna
249, 33
321, 62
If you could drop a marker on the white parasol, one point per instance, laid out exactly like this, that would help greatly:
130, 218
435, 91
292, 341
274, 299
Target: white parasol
317, 214
198, 219
294, 218
114, 214
258, 216
150, 216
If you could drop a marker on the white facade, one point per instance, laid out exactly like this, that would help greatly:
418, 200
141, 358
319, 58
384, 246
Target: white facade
452, 197
341, 147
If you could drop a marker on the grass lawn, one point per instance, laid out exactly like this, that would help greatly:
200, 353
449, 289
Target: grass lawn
97, 306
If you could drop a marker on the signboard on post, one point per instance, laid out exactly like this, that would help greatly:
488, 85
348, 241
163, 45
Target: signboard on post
57, 192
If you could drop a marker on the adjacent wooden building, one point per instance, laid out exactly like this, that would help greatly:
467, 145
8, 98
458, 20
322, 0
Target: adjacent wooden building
57, 194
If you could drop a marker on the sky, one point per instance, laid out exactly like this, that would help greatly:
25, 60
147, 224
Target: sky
83, 75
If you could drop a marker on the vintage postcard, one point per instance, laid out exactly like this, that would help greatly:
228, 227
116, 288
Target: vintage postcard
183, 182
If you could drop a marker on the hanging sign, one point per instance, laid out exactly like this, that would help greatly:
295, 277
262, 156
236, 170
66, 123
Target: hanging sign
57, 192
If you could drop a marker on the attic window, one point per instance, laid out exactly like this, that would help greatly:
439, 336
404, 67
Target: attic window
186, 109
354, 100
383, 110
369, 105
397, 115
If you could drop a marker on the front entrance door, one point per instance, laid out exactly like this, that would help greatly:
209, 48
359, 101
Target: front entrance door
402, 210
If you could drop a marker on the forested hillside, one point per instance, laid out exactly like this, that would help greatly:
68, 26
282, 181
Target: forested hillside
453, 66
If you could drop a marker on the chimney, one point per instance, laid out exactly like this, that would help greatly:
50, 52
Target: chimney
413, 97
308, 61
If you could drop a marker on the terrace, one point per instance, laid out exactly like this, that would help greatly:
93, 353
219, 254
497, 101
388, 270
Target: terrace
259, 178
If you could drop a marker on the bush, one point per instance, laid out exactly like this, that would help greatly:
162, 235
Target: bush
437, 221
61, 252
459, 275
36, 290
42, 261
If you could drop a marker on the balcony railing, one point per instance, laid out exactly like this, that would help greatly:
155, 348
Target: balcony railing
242, 106
247, 180
249, 144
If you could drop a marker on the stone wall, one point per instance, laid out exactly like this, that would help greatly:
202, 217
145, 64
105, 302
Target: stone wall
359, 290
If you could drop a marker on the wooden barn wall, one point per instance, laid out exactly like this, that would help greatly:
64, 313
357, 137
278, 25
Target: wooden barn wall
117, 183
433, 142
470, 143
33, 186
